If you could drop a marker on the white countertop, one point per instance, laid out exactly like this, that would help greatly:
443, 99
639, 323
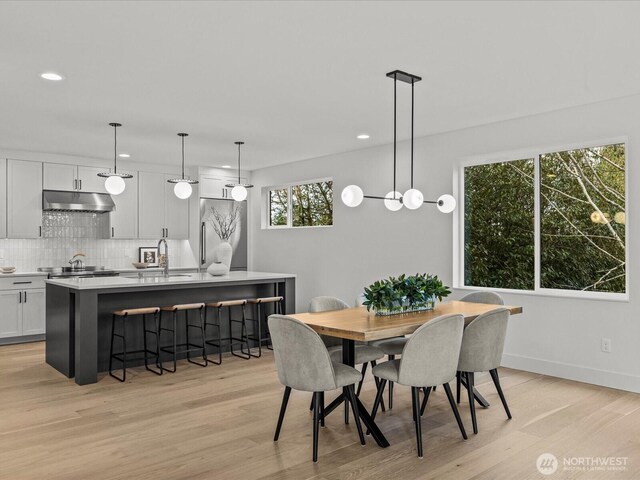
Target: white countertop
133, 281
24, 274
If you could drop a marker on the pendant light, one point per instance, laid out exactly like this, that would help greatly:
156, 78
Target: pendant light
183, 189
114, 183
352, 195
239, 190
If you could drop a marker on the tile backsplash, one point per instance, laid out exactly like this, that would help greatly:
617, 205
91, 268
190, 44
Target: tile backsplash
65, 234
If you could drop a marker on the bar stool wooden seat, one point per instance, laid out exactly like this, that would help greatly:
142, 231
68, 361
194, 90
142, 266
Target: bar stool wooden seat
217, 325
125, 314
261, 304
188, 346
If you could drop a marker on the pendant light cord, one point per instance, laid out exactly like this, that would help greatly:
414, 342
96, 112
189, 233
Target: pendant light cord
183, 158
412, 82
239, 162
395, 88
115, 149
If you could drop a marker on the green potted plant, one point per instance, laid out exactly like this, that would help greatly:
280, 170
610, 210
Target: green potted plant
404, 294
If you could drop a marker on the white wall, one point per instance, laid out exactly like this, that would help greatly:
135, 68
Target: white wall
556, 336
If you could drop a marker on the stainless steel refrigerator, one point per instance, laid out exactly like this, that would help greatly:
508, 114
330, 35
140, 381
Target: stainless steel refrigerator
217, 218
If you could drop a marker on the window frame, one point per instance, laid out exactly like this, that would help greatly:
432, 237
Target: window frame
289, 187
535, 154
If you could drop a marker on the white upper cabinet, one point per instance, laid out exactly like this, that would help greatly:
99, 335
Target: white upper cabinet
161, 214
59, 176
89, 181
213, 186
124, 219
151, 205
3, 198
176, 211
24, 199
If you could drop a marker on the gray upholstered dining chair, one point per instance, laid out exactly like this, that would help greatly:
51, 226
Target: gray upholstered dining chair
481, 351
483, 297
365, 353
303, 363
477, 297
429, 358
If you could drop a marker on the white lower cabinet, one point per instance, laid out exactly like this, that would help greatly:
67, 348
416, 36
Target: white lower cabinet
22, 306
11, 318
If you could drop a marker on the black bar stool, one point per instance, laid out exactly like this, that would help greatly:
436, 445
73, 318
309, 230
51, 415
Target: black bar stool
261, 313
188, 345
231, 340
122, 356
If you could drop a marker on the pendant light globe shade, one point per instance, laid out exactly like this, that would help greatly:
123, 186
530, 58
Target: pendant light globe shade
239, 193
446, 203
393, 201
413, 199
352, 196
114, 184
182, 190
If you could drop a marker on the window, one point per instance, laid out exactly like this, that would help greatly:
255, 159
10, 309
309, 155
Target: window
568, 234
301, 205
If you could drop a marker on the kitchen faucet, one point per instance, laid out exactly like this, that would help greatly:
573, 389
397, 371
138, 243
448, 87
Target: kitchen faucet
166, 255
76, 262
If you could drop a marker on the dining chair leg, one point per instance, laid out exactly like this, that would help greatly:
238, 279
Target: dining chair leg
377, 380
458, 386
427, 391
313, 399
472, 406
391, 357
322, 409
496, 382
346, 407
356, 416
316, 421
454, 407
378, 399
364, 371
415, 401
283, 408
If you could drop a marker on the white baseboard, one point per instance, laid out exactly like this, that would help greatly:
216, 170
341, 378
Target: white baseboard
604, 378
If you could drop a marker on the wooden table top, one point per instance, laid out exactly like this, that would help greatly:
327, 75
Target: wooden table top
359, 324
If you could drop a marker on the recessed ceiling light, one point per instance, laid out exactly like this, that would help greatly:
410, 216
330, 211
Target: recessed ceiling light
362, 136
226, 166
124, 155
51, 76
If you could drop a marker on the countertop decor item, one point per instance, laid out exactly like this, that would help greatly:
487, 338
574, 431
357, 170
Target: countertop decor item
7, 269
413, 198
404, 294
114, 182
149, 255
140, 265
225, 226
239, 190
183, 188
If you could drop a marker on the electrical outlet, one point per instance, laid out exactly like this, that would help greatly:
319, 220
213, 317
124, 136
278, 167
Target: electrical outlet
605, 345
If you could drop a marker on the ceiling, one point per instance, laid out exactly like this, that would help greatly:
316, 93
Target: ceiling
295, 80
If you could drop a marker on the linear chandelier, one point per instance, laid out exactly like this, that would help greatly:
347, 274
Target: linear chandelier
352, 195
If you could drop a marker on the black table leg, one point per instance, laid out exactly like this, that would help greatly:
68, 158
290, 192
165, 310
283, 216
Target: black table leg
476, 394
348, 358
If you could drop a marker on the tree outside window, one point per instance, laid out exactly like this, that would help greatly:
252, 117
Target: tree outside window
310, 205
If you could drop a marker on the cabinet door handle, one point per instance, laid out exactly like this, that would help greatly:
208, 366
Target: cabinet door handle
19, 297
113, 231
75, 183
80, 184
167, 233
25, 297
40, 231
22, 283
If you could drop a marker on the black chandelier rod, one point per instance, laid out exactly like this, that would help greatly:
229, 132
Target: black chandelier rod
412, 83
395, 88
239, 143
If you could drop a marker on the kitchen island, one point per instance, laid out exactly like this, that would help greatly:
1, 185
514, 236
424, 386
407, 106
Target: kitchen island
78, 325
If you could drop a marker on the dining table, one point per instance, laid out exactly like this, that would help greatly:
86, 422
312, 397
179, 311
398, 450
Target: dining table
360, 325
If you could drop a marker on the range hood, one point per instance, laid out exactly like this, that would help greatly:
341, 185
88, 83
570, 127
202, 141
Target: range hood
64, 201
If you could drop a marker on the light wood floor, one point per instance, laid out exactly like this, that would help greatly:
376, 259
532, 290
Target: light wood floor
217, 423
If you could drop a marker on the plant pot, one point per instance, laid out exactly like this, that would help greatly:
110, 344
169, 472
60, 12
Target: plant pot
406, 307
